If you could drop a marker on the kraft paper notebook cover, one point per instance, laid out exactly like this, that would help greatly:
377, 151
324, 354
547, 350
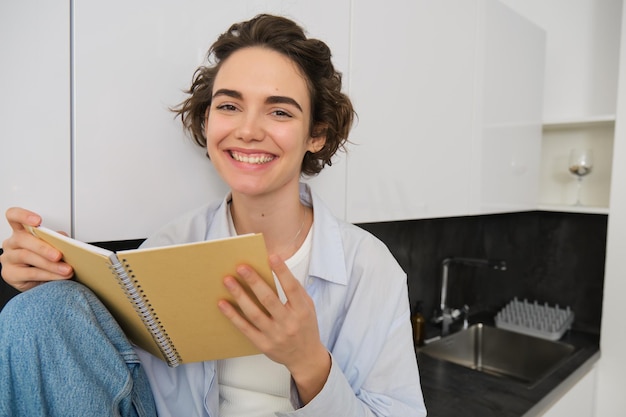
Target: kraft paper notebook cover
165, 299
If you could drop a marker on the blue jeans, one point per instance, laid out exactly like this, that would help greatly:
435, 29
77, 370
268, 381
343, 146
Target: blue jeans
62, 354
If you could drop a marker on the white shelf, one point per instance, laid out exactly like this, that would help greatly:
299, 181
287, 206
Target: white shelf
601, 120
575, 209
558, 189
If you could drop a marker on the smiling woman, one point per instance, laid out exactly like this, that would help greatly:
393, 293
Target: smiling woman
336, 338
331, 110
256, 116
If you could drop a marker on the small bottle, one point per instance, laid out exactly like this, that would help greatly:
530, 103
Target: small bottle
418, 322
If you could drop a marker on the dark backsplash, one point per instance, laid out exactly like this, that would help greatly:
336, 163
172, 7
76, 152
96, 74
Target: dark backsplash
556, 258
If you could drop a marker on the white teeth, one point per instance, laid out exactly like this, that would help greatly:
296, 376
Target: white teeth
252, 159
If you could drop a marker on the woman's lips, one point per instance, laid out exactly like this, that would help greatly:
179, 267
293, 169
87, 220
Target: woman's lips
257, 158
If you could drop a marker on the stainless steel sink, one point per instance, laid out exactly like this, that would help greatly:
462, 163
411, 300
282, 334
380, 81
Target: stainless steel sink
500, 352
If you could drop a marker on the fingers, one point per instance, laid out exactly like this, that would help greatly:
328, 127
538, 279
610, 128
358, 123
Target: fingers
17, 217
29, 264
260, 313
265, 295
255, 303
238, 320
26, 260
25, 278
292, 288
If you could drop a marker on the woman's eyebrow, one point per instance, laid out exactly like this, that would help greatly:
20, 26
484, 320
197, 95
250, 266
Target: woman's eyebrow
283, 100
270, 100
228, 93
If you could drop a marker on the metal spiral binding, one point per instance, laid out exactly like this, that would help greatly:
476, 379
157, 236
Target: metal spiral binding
144, 309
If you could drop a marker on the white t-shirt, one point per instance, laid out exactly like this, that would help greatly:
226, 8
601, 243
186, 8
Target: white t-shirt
256, 386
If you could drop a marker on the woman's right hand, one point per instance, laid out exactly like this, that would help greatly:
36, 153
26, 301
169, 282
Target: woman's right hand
28, 261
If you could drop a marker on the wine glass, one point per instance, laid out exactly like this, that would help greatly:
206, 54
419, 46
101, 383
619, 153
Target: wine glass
580, 164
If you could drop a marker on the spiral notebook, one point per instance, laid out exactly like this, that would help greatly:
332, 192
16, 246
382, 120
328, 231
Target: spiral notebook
165, 298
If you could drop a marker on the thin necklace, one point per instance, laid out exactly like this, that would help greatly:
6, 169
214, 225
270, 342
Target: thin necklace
297, 233
300, 229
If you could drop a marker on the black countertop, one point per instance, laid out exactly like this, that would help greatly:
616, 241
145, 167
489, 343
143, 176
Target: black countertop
452, 390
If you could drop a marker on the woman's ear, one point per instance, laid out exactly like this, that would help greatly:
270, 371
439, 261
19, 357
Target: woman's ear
317, 143
318, 138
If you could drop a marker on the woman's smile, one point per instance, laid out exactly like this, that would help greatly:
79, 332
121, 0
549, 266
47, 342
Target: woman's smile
255, 158
257, 128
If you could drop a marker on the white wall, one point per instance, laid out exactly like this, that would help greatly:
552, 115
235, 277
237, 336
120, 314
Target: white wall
35, 109
611, 400
582, 67
86, 137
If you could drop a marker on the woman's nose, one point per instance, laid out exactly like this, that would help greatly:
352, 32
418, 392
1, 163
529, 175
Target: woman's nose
250, 128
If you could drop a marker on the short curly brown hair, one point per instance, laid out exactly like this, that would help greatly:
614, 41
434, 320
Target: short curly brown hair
330, 108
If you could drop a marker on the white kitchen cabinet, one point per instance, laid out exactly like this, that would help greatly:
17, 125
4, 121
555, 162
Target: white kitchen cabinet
449, 102
134, 168
578, 401
581, 80
430, 140
582, 55
412, 82
580, 93
35, 170
509, 112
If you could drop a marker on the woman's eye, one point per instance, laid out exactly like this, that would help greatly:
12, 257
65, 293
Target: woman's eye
281, 113
226, 106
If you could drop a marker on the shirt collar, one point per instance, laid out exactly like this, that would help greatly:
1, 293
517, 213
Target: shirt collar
327, 254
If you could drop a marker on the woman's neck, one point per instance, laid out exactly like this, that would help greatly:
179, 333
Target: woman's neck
284, 224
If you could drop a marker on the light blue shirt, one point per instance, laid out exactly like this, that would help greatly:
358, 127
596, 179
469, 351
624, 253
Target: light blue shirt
361, 299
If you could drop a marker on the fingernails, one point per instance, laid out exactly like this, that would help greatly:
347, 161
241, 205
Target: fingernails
33, 220
64, 269
275, 259
243, 270
229, 283
223, 306
55, 256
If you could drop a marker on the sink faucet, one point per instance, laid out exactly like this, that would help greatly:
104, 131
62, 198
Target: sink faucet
446, 315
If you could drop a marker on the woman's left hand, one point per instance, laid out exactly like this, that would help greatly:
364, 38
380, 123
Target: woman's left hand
289, 333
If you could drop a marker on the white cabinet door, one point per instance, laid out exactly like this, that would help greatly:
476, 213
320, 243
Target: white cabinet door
134, 168
578, 401
449, 101
509, 106
412, 82
35, 110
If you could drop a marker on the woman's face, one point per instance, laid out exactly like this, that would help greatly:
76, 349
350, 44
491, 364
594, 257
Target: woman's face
258, 122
